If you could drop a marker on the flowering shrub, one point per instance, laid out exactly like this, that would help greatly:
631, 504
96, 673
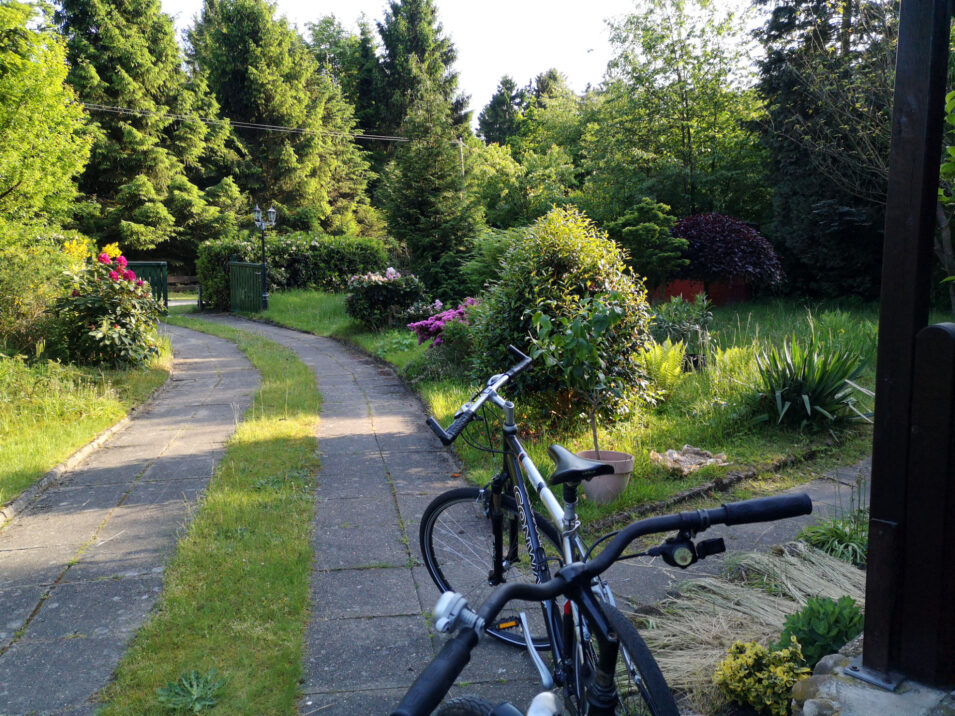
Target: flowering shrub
381, 300
753, 675
108, 315
422, 310
723, 248
433, 327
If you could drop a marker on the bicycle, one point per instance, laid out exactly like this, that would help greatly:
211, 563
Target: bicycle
612, 634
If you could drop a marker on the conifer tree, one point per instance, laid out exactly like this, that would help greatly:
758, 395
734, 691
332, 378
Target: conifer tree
423, 193
415, 48
124, 56
262, 72
500, 119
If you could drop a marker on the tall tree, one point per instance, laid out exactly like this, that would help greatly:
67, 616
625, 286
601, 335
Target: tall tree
124, 57
44, 144
262, 72
424, 192
827, 82
500, 119
673, 119
414, 49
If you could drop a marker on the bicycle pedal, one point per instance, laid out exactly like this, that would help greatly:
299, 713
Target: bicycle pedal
507, 624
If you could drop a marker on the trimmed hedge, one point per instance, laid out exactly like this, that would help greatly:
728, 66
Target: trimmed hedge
297, 260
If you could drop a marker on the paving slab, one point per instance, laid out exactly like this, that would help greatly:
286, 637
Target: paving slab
81, 567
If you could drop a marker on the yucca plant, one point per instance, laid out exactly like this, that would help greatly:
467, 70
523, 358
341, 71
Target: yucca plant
808, 383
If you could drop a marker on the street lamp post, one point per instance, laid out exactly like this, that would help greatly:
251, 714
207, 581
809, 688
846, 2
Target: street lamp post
263, 224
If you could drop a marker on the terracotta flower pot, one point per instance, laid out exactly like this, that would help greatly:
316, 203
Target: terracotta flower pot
604, 489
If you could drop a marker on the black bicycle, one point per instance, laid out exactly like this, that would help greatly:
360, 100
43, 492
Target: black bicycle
604, 643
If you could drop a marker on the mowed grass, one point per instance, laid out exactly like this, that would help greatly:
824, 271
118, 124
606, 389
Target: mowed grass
235, 595
707, 409
49, 410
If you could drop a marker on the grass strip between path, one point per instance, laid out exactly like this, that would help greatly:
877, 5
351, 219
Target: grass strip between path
236, 594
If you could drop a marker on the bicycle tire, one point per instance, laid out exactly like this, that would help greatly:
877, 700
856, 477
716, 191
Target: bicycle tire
641, 688
465, 706
455, 523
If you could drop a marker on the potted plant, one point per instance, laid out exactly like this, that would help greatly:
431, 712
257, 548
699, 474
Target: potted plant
576, 345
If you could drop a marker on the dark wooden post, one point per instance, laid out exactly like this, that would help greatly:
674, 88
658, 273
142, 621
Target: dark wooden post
906, 277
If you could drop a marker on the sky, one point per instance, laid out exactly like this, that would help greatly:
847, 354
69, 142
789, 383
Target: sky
520, 38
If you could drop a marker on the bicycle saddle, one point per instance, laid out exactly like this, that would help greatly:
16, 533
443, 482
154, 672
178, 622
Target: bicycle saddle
570, 468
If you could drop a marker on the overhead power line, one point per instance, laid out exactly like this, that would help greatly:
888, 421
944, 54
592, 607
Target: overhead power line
242, 125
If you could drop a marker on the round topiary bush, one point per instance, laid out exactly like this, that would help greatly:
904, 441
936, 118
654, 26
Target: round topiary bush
560, 260
723, 248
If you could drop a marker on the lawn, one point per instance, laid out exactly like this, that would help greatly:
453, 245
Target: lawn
706, 409
49, 410
235, 595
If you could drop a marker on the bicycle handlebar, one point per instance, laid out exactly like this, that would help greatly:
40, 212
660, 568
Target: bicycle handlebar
468, 410
429, 689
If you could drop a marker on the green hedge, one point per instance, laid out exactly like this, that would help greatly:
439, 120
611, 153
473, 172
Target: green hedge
296, 260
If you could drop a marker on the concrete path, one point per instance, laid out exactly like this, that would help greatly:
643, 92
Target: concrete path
369, 636
82, 566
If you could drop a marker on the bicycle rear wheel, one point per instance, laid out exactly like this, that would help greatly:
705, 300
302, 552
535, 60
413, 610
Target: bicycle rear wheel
458, 549
641, 688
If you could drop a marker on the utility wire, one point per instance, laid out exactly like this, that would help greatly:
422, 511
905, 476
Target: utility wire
242, 125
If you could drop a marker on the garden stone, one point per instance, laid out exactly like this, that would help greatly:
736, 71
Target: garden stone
805, 689
819, 707
829, 664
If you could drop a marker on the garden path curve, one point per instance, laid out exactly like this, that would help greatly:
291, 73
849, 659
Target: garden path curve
82, 565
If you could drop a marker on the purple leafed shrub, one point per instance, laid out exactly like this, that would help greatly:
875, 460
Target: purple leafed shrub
724, 248
432, 327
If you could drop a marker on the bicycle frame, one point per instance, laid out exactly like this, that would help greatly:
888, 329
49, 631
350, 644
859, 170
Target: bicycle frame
516, 468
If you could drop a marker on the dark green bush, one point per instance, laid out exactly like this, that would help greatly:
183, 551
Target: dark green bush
645, 233
382, 300
294, 261
823, 627
483, 262
682, 321
558, 261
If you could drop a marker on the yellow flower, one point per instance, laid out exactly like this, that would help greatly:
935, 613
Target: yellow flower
112, 250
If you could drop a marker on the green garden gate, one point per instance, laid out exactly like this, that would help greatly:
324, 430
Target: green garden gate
156, 273
245, 286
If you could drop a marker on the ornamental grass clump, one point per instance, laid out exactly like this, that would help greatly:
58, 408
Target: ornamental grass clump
108, 316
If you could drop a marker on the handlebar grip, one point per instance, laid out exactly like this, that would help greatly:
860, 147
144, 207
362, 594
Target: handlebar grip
429, 689
454, 429
523, 361
767, 509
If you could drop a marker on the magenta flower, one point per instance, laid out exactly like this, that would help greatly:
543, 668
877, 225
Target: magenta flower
103, 259
121, 261
75, 292
129, 275
140, 283
114, 275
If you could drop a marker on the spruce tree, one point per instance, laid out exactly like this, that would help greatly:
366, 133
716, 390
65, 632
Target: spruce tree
500, 119
124, 56
415, 48
262, 72
423, 193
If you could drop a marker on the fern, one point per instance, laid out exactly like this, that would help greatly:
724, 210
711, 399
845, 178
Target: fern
663, 363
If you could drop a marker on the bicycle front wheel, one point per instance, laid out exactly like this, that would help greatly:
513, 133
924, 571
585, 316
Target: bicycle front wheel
457, 544
641, 688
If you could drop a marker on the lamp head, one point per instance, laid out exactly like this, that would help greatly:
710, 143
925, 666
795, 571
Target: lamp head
257, 214
271, 215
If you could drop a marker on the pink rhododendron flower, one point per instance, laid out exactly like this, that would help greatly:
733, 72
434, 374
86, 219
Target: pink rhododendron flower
103, 259
114, 275
140, 283
129, 275
75, 292
121, 261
